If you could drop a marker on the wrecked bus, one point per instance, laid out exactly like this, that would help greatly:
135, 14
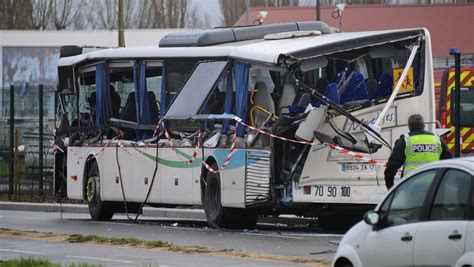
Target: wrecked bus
275, 119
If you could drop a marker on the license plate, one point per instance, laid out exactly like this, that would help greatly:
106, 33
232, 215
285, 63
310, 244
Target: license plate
357, 167
326, 191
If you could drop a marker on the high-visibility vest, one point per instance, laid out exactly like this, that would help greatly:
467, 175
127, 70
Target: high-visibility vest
421, 149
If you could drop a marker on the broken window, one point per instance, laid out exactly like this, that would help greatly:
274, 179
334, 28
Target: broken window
354, 77
191, 97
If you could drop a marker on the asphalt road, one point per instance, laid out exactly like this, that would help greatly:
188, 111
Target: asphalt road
68, 253
264, 239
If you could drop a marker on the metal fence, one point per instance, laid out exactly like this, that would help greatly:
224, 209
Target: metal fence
26, 155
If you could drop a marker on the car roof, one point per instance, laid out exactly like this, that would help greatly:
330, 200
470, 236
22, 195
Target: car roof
466, 163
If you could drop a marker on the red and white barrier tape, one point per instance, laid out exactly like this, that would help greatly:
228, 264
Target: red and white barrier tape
227, 159
342, 150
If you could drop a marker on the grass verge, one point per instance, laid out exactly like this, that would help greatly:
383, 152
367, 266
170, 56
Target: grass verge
31, 262
156, 246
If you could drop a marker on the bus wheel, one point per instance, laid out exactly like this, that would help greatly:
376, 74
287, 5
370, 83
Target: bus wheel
212, 201
98, 209
221, 217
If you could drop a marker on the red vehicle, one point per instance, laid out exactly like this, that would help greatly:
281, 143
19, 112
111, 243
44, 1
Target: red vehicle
444, 85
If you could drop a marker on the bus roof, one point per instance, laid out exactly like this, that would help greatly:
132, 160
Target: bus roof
259, 50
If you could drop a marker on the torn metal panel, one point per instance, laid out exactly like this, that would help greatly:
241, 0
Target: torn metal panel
355, 43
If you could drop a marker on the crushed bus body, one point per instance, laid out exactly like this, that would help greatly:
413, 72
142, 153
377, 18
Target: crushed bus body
264, 120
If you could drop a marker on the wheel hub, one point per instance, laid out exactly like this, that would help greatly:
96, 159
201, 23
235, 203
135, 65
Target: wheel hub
91, 189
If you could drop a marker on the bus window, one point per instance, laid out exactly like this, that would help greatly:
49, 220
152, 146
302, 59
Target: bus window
176, 73
154, 86
196, 90
367, 74
86, 99
122, 90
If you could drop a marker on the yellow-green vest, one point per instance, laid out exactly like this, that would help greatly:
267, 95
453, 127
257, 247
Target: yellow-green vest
421, 149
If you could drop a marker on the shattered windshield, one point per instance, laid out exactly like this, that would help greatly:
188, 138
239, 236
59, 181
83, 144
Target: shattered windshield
364, 74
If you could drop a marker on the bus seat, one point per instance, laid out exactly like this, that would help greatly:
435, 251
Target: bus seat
384, 86
262, 104
321, 85
116, 102
371, 84
154, 110
129, 113
287, 97
332, 92
355, 88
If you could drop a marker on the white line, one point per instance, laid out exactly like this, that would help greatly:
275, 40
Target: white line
98, 259
21, 251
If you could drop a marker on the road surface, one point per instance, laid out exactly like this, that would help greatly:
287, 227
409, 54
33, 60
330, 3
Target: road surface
265, 239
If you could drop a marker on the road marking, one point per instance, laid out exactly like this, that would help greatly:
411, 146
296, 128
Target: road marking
98, 259
21, 251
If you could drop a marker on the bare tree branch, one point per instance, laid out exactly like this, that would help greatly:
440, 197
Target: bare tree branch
41, 14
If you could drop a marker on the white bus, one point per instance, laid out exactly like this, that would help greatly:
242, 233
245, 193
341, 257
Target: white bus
253, 121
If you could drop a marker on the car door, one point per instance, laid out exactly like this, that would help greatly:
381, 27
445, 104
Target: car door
391, 242
442, 238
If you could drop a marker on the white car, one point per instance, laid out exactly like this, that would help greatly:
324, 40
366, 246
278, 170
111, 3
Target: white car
427, 219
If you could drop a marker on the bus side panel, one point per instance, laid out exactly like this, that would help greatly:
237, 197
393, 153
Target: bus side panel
232, 177
111, 189
144, 162
245, 181
176, 176
76, 161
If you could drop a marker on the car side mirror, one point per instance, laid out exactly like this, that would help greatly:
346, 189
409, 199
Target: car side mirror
372, 218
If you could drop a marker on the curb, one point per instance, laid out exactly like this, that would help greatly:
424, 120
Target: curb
190, 214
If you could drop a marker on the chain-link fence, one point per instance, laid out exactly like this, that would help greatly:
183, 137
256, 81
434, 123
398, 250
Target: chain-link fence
26, 169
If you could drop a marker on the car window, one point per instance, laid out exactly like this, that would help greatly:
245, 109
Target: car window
451, 196
408, 199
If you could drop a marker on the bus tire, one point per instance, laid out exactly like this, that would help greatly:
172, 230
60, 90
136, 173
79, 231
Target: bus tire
215, 213
98, 209
221, 217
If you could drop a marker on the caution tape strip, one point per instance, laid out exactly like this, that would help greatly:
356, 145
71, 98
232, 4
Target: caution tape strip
238, 120
342, 150
227, 159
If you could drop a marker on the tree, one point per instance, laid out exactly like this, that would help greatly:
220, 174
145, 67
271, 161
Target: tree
64, 12
234, 9
41, 14
165, 14
16, 14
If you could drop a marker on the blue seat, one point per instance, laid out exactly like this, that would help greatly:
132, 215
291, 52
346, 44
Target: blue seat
355, 89
384, 86
332, 92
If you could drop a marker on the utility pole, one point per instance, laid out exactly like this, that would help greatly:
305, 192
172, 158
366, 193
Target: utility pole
318, 10
121, 26
247, 18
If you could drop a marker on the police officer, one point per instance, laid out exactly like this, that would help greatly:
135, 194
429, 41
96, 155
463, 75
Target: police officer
414, 149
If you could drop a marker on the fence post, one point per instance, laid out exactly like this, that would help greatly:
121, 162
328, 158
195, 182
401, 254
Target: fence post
12, 127
17, 166
41, 155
